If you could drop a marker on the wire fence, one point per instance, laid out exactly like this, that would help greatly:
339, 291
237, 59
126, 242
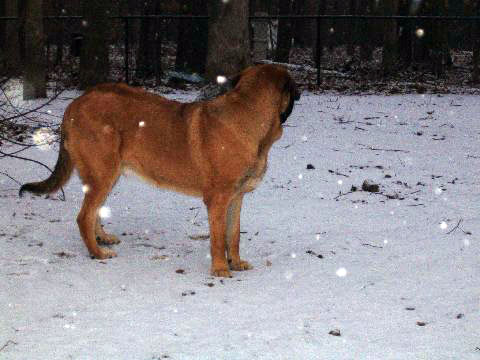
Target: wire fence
124, 33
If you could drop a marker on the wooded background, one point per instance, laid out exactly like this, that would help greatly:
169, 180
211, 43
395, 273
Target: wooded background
82, 43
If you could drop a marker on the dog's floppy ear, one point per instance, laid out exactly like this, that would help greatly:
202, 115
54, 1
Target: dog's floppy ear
290, 94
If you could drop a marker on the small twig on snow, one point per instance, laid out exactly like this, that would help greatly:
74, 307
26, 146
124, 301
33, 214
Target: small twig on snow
369, 147
456, 226
8, 343
11, 178
373, 246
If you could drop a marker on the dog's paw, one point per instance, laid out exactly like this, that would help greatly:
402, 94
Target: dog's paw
107, 239
104, 253
240, 266
221, 272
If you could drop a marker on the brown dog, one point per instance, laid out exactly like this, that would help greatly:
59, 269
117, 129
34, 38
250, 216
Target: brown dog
215, 149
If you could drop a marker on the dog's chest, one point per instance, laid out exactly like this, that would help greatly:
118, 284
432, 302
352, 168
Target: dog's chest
254, 174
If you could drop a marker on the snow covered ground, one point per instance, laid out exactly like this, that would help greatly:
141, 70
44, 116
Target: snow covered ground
391, 273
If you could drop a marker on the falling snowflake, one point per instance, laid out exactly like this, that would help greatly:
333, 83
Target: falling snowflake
141, 124
443, 225
438, 191
341, 272
221, 79
84, 23
340, 182
331, 30
304, 138
300, 176
293, 255
420, 33
85, 189
317, 236
105, 212
466, 242
385, 241
43, 138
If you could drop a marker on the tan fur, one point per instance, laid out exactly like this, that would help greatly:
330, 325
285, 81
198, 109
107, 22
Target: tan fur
216, 150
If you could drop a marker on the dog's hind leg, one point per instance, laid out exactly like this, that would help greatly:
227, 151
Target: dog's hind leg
233, 236
87, 218
99, 174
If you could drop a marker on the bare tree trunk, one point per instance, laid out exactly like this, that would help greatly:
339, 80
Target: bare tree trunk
145, 50
228, 38
158, 36
184, 39
440, 50
307, 29
284, 36
192, 38
390, 39
34, 81
405, 43
366, 7
351, 28
94, 64
59, 36
321, 29
12, 39
198, 57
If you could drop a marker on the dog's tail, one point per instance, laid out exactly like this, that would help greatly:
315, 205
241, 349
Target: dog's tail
60, 175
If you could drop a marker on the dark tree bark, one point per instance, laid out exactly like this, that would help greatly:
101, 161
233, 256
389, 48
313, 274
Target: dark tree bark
440, 51
94, 64
365, 30
192, 38
390, 38
305, 30
12, 39
405, 43
198, 57
284, 35
351, 28
34, 80
228, 38
320, 30
158, 37
145, 49
59, 36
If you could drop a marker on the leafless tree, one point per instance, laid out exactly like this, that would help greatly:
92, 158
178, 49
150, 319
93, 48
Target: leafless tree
228, 38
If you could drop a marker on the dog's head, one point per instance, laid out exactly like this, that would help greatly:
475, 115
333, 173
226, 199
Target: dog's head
278, 77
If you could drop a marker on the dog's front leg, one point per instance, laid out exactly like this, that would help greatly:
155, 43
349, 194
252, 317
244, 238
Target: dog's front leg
233, 236
217, 206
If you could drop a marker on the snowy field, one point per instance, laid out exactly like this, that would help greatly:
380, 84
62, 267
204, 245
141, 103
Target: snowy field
338, 274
